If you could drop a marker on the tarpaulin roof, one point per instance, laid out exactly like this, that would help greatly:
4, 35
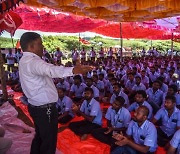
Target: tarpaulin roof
114, 10
49, 20
134, 30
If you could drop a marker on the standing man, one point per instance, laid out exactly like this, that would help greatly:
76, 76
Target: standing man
58, 55
37, 84
92, 54
10, 59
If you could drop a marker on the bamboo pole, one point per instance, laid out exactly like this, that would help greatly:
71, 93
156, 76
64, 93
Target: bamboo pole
121, 42
172, 45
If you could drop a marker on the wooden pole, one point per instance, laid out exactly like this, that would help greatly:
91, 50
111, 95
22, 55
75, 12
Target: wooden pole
3, 78
12, 41
79, 45
121, 42
172, 45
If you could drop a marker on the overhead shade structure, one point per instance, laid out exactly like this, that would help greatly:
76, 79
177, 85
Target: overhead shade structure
114, 10
48, 20
7, 5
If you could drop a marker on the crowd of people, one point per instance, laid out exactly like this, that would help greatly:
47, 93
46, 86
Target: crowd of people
142, 93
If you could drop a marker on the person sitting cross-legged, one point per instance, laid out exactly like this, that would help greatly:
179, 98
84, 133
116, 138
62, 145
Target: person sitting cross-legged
118, 119
140, 99
141, 135
170, 119
64, 105
91, 111
175, 144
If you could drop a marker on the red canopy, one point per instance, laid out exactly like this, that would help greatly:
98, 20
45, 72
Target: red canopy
48, 20
132, 30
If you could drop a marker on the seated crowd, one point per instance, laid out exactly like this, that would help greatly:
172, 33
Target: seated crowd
142, 95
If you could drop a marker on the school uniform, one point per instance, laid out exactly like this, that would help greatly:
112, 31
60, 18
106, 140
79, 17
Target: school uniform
118, 119
85, 126
135, 105
169, 124
121, 93
175, 141
145, 135
155, 99
64, 105
65, 85
141, 86
78, 91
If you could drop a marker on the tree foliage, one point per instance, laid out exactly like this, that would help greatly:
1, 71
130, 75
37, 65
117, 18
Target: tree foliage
67, 43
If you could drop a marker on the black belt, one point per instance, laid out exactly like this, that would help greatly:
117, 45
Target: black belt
42, 106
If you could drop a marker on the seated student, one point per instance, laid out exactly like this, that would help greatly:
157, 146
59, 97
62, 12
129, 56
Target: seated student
89, 83
91, 111
64, 105
175, 80
175, 144
141, 135
130, 83
99, 84
117, 91
163, 86
170, 118
118, 119
140, 99
138, 85
77, 89
172, 90
145, 79
63, 84
155, 96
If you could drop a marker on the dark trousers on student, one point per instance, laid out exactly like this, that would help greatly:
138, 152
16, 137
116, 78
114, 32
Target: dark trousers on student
65, 119
162, 138
46, 127
105, 138
127, 150
83, 127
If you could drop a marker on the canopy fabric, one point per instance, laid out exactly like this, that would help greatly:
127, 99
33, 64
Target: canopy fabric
130, 30
114, 10
6, 5
48, 20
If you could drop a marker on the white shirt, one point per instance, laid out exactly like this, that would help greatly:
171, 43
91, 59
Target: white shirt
36, 79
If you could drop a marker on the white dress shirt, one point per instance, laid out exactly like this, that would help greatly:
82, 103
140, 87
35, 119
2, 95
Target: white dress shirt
36, 79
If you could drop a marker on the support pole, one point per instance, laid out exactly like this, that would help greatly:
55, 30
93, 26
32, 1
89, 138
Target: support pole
12, 41
3, 78
121, 42
172, 45
79, 42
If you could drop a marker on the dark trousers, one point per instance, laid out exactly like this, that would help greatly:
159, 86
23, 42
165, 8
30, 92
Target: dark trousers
45, 139
65, 119
127, 150
162, 138
9, 67
105, 138
83, 127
